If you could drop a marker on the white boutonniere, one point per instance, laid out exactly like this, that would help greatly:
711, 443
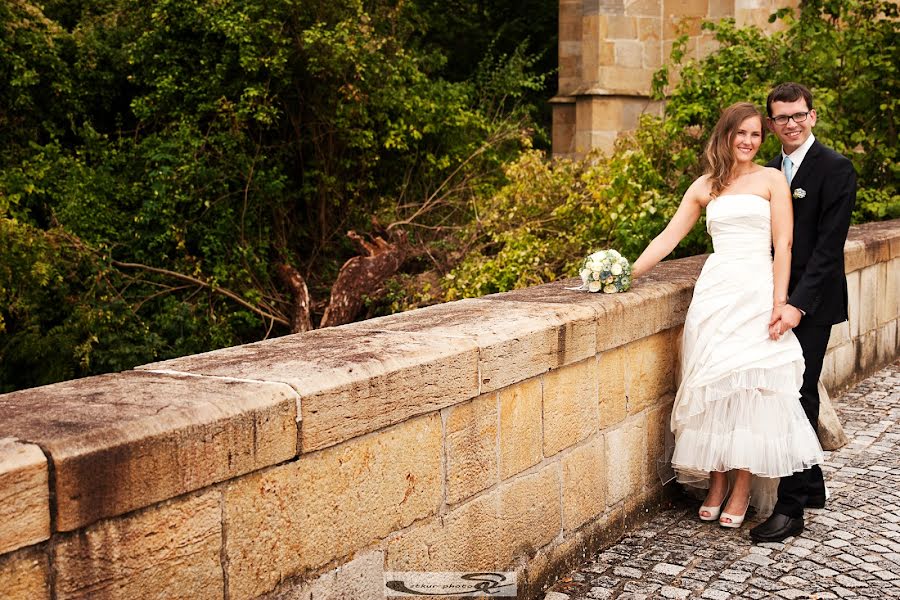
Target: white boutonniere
799, 193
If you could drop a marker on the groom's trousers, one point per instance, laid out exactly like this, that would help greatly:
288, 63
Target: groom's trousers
795, 490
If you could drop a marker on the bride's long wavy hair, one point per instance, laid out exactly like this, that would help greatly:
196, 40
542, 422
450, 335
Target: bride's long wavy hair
720, 160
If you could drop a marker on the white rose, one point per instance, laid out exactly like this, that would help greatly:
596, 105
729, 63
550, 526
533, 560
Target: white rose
610, 289
598, 256
594, 286
585, 274
615, 254
616, 269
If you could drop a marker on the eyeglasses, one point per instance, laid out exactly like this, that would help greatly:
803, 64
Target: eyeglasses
797, 118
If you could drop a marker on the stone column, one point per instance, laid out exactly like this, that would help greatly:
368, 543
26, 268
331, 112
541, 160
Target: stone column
609, 50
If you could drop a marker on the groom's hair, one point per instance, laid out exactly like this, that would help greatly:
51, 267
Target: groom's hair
788, 92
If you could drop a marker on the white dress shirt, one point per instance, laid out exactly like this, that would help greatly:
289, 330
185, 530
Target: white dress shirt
797, 155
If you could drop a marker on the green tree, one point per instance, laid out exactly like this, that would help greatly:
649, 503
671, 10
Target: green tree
166, 163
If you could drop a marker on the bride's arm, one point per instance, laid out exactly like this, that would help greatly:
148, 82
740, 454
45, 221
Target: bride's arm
782, 212
684, 219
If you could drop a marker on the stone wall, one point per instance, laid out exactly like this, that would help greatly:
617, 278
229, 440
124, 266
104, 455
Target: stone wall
609, 50
511, 432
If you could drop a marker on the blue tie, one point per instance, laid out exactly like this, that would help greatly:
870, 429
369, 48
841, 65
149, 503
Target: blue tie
788, 169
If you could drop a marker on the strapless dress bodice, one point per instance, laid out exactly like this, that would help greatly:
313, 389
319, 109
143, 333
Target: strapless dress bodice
740, 226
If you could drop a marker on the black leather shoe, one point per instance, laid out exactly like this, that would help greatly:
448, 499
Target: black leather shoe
776, 528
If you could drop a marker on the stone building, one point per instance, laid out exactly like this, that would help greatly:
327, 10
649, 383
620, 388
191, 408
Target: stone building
609, 50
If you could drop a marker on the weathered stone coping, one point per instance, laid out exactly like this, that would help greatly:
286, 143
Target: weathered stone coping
80, 451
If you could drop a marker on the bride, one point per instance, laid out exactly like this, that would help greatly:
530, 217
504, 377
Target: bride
737, 418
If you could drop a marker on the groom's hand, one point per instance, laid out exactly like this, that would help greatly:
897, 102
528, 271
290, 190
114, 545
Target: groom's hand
784, 317
790, 316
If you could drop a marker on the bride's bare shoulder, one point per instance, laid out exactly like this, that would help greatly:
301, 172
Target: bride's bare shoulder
700, 190
771, 172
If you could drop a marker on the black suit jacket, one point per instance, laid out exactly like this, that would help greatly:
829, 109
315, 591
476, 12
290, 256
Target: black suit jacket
818, 285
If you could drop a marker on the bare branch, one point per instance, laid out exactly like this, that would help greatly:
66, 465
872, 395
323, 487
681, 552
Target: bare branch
291, 278
199, 282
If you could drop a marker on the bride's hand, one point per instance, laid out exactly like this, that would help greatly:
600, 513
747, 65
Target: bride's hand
776, 330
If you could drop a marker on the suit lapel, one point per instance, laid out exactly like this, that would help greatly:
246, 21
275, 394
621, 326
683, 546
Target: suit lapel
807, 166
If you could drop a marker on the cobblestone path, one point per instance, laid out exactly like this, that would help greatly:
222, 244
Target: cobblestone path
850, 549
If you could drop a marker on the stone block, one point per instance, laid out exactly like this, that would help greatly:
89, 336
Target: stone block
754, 17
878, 244
585, 141
517, 335
866, 353
603, 7
563, 129
360, 579
659, 301
676, 25
844, 365
887, 305
583, 483
868, 291
854, 255
882, 303
594, 47
530, 513
521, 427
355, 379
853, 302
626, 448
686, 8
658, 465
888, 348
468, 538
840, 334
25, 575
600, 54
544, 569
125, 441
719, 9
643, 8
649, 29
596, 113
167, 552
621, 27
24, 495
652, 54
570, 405
651, 370
569, 82
570, 31
593, 28
625, 81
613, 382
328, 504
629, 53
472, 462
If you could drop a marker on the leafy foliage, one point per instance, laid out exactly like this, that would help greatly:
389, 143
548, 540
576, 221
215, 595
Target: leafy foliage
159, 159
552, 213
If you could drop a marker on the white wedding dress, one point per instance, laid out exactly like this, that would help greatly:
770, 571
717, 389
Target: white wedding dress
738, 403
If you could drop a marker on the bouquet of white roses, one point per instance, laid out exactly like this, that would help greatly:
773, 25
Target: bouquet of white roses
606, 271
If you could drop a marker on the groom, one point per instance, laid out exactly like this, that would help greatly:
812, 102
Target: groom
823, 188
